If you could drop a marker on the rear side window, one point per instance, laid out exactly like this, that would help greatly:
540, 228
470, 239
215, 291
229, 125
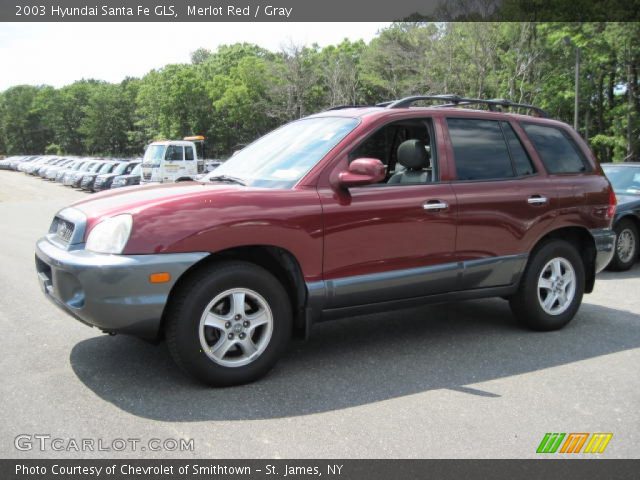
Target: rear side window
558, 152
521, 161
188, 153
480, 150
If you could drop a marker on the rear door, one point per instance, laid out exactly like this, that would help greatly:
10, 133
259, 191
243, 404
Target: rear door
504, 200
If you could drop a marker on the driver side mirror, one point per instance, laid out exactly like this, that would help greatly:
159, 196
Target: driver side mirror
362, 171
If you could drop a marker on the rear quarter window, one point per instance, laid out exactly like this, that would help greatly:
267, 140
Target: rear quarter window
558, 152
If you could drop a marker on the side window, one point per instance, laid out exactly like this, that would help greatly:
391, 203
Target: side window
557, 151
521, 160
479, 149
420, 164
174, 152
188, 153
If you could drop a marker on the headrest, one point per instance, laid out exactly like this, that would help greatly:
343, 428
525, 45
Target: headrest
413, 155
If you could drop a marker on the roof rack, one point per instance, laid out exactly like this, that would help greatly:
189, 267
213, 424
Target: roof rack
456, 100
341, 107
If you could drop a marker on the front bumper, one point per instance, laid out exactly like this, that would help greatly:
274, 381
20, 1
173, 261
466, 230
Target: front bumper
605, 241
111, 292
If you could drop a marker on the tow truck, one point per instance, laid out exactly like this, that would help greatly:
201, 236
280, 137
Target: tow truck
168, 161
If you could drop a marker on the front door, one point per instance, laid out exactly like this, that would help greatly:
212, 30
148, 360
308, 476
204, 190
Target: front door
389, 241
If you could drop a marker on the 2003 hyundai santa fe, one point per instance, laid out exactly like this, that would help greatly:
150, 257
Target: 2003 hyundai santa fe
352, 210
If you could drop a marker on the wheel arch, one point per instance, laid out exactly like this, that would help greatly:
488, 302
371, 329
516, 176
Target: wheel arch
584, 242
278, 261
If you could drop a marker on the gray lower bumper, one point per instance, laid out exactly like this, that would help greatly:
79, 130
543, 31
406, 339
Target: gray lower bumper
111, 292
605, 240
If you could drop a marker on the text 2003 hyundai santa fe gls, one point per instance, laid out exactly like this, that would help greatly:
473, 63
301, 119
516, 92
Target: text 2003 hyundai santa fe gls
348, 211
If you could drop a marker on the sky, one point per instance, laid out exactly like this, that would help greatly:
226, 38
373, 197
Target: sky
58, 54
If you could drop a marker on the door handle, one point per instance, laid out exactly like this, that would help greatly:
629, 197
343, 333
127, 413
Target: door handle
435, 205
537, 200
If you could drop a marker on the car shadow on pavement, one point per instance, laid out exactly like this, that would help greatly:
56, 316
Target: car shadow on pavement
354, 362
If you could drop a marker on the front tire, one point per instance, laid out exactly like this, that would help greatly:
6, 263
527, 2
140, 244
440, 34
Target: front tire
551, 287
228, 324
627, 245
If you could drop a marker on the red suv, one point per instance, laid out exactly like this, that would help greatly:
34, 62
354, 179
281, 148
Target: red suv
352, 210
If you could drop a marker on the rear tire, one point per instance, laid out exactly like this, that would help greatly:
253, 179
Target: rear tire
551, 287
627, 246
228, 324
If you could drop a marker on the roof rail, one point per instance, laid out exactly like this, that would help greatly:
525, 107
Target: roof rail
341, 107
456, 100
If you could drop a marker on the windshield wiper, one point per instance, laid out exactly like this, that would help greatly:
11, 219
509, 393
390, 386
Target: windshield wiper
227, 178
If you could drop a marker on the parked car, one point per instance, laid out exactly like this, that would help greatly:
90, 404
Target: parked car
104, 181
345, 212
32, 167
21, 166
45, 165
74, 166
625, 179
44, 171
128, 180
71, 177
52, 172
7, 162
79, 176
21, 160
89, 178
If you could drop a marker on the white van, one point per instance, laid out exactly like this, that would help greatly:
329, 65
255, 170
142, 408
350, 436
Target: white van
171, 161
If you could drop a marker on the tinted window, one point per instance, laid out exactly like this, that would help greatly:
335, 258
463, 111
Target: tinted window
521, 161
479, 149
174, 152
188, 152
558, 153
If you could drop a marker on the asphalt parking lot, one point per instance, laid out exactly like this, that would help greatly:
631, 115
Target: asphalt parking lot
448, 381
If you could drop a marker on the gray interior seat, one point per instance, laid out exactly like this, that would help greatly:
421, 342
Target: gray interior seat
413, 156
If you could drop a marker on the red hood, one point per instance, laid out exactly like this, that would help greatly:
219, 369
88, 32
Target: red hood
134, 199
193, 216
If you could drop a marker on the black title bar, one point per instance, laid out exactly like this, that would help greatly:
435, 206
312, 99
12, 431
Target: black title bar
326, 469
316, 11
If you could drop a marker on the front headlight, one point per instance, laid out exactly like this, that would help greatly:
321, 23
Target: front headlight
110, 235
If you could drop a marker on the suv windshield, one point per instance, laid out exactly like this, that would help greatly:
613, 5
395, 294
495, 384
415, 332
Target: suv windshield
281, 158
625, 180
153, 156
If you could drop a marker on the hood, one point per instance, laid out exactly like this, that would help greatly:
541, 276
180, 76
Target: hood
138, 198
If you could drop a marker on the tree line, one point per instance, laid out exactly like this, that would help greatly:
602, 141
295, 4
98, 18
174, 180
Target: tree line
240, 91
